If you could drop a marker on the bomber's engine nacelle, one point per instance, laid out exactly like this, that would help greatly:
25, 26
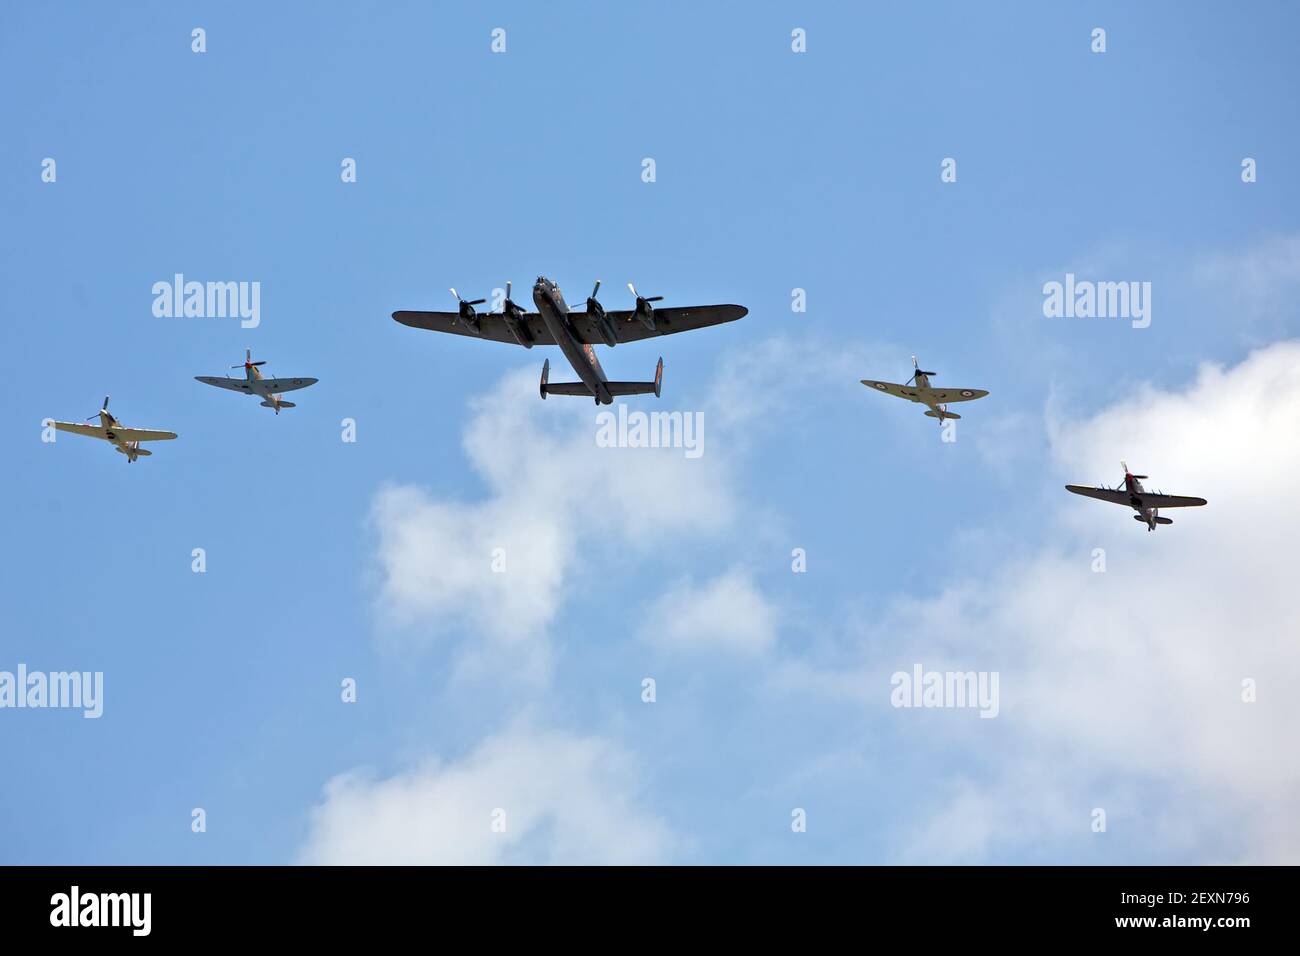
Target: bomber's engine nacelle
465, 312
604, 324
644, 311
513, 316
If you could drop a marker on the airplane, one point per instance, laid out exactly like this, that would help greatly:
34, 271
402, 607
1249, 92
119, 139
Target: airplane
267, 389
926, 394
576, 333
1145, 503
125, 440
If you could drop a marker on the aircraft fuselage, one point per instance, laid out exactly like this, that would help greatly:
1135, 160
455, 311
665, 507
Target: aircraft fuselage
110, 425
1135, 492
254, 376
922, 387
555, 313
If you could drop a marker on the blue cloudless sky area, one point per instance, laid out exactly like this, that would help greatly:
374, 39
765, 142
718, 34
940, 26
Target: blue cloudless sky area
774, 171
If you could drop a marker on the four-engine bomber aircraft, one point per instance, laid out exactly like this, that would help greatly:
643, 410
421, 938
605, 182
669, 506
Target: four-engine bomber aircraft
1147, 504
575, 332
125, 440
267, 389
924, 393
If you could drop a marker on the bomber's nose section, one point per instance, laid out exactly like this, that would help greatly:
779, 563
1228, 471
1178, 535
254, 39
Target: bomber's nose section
541, 289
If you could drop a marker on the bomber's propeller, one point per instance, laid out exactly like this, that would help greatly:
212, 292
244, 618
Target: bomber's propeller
509, 307
465, 310
593, 306
639, 297
644, 310
603, 324
463, 302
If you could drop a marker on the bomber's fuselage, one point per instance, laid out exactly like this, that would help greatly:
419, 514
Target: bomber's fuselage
555, 313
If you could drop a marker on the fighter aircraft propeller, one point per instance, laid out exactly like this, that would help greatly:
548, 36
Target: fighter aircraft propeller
918, 371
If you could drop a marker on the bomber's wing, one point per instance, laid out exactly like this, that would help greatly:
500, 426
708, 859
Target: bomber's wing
946, 395
889, 388
1101, 494
491, 325
234, 384
141, 434
77, 428
1170, 501
668, 320
278, 385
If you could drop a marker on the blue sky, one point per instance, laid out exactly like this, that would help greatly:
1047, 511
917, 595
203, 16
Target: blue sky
775, 171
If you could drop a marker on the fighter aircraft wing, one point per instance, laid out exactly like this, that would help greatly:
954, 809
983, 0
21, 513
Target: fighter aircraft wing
141, 434
491, 325
889, 388
287, 384
1170, 501
234, 384
1101, 494
90, 431
946, 395
668, 320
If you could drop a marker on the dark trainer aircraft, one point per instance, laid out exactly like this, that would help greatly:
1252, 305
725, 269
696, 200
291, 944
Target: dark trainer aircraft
575, 332
1145, 503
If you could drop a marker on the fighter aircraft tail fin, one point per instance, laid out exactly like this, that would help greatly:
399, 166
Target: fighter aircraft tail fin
1159, 520
640, 388
270, 404
934, 414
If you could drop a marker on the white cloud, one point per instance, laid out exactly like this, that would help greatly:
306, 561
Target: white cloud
1116, 689
567, 799
727, 614
551, 496
1137, 672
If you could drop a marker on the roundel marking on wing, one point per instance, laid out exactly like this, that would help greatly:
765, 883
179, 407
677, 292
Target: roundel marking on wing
879, 385
966, 393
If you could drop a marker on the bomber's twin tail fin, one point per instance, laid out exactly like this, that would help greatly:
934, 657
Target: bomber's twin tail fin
640, 388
